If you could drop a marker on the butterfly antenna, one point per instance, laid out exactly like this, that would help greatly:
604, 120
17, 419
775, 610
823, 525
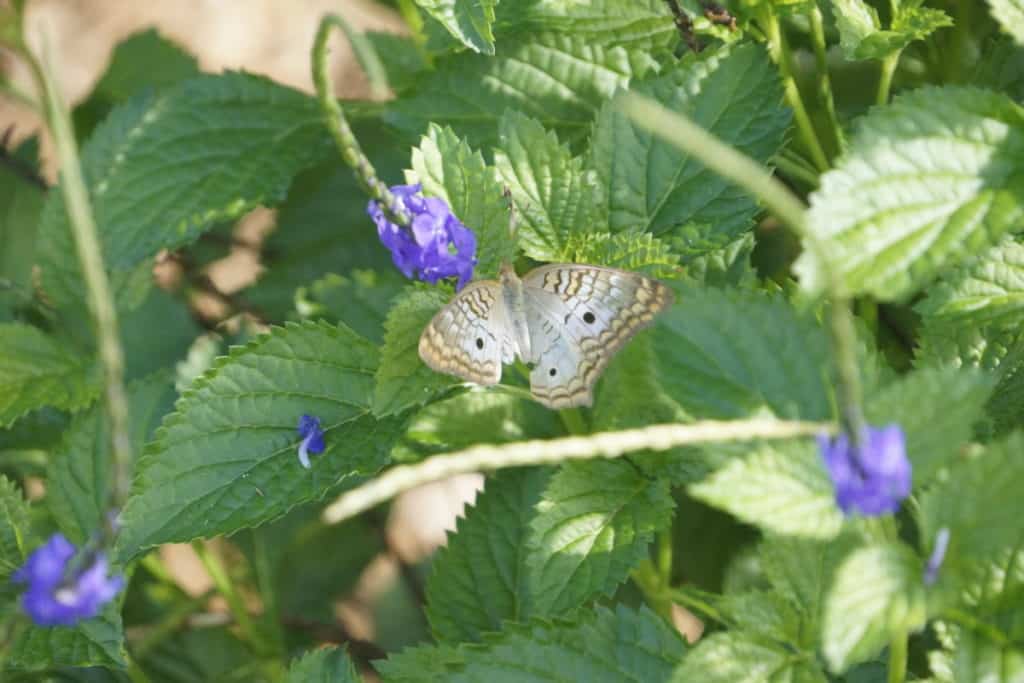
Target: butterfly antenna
513, 215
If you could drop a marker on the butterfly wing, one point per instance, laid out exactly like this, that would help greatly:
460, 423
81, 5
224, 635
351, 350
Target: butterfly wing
469, 337
579, 317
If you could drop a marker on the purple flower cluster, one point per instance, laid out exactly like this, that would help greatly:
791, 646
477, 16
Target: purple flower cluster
312, 438
871, 478
436, 245
57, 595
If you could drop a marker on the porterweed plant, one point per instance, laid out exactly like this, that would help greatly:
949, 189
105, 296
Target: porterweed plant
809, 467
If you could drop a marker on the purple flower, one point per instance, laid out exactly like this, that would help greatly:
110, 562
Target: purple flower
58, 594
437, 245
931, 570
870, 479
312, 438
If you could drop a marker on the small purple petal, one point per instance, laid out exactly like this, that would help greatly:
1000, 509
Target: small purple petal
931, 570
871, 479
312, 438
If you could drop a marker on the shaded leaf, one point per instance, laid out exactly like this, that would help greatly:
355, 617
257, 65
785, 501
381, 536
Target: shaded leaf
740, 658
468, 20
326, 665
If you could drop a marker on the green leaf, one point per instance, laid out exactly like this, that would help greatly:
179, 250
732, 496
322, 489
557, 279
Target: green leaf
730, 354
741, 658
95, 642
467, 20
1010, 15
978, 503
555, 196
988, 291
403, 60
478, 581
627, 250
861, 35
782, 488
765, 614
978, 658
360, 300
592, 527
595, 646
727, 266
878, 593
403, 380
930, 178
559, 80
326, 665
157, 333
21, 202
226, 459
645, 24
856, 21
735, 94
937, 409
78, 473
162, 169
37, 370
144, 60
14, 528
450, 169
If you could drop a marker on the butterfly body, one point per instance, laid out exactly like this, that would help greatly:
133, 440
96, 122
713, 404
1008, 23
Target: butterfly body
567, 320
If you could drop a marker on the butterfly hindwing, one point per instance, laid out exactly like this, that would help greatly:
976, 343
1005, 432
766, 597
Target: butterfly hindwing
469, 337
579, 316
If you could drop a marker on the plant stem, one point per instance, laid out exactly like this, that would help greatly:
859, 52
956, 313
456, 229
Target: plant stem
898, 658
99, 297
795, 170
337, 125
664, 550
824, 80
780, 54
171, 622
889, 65
573, 421
690, 601
226, 588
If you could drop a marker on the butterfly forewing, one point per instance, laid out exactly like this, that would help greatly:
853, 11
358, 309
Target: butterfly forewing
469, 337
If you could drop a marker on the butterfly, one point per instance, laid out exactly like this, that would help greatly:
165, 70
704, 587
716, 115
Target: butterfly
567, 320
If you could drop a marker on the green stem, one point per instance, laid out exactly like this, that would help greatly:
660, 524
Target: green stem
135, 672
170, 623
780, 54
898, 658
795, 170
573, 421
664, 550
337, 125
98, 293
692, 602
824, 80
265, 582
225, 587
646, 578
889, 65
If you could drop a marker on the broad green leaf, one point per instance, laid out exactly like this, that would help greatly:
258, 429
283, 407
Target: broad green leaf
765, 614
734, 657
595, 645
979, 658
592, 527
157, 333
878, 592
468, 20
37, 370
987, 291
555, 195
965, 346
978, 502
727, 266
559, 80
930, 178
226, 459
164, 168
95, 642
732, 92
403, 380
144, 60
450, 169
1010, 15
326, 665
14, 528
994, 589
21, 202
856, 21
1000, 67
403, 59
78, 473
937, 409
641, 252
360, 300
643, 24
861, 35
781, 487
478, 581
730, 354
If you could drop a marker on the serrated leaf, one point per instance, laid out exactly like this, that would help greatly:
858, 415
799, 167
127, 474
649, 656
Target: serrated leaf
937, 409
782, 488
452, 170
477, 581
987, 291
978, 503
765, 614
14, 528
37, 370
964, 346
592, 527
636, 24
78, 473
226, 458
559, 80
164, 168
467, 20
627, 250
741, 658
144, 60
878, 592
326, 665
360, 300
1000, 67
734, 93
730, 354
403, 380
1010, 15
727, 266
95, 642
21, 202
856, 21
930, 178
596, 646
861, 35
555, 195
